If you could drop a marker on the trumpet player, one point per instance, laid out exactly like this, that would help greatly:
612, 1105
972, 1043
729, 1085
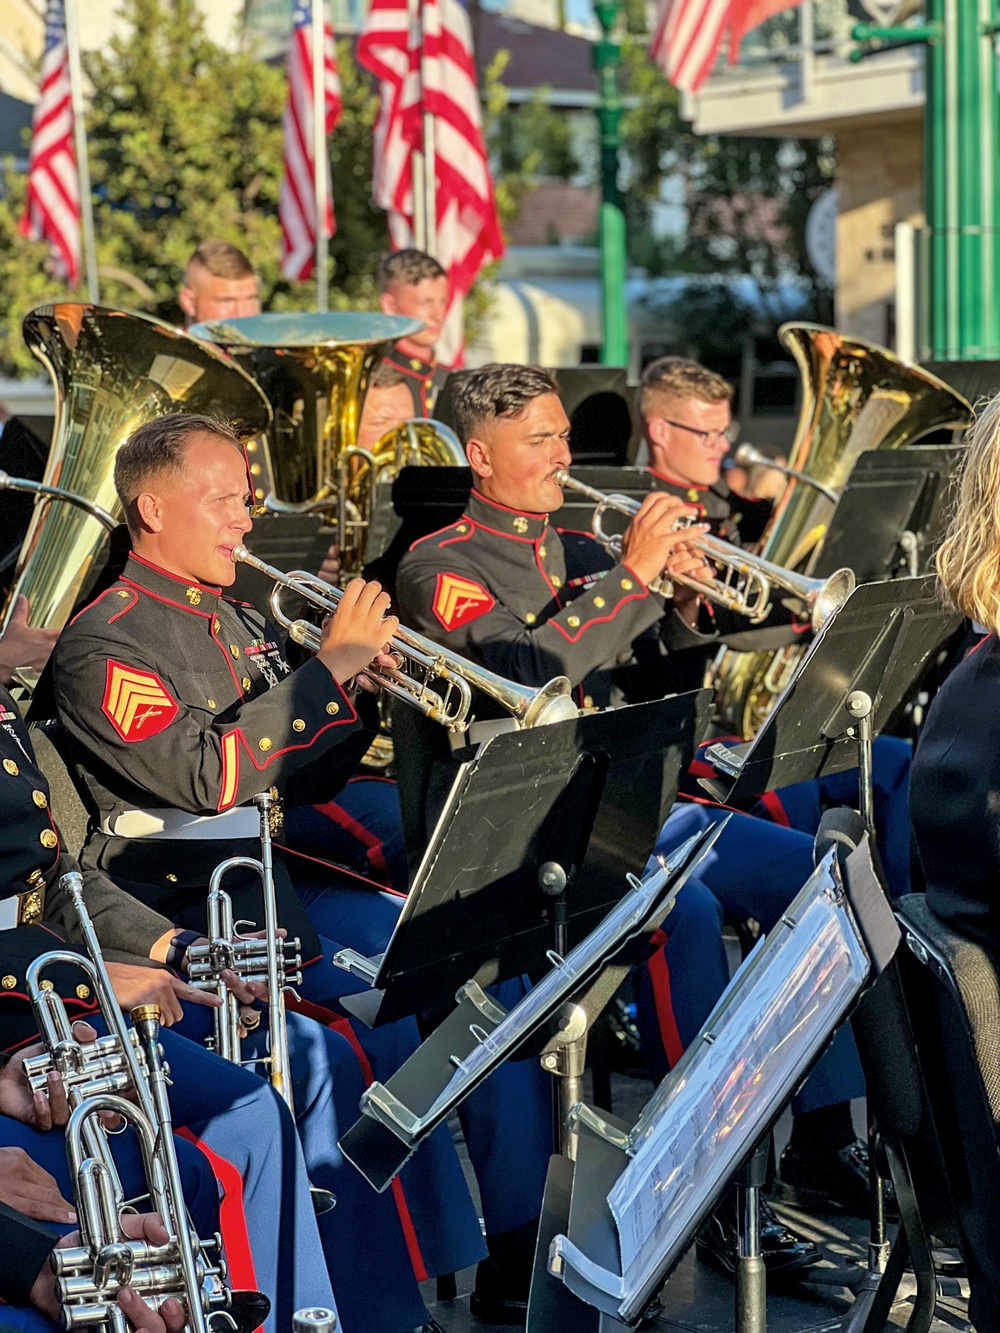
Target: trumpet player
181, 707
509, 590
237, 1125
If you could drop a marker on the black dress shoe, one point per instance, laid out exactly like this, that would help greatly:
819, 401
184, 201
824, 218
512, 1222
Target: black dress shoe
501, 1292
783, 1252
249, 1309
828, 1182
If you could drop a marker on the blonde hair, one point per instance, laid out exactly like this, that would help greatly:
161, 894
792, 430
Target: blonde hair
682, 378
968, 560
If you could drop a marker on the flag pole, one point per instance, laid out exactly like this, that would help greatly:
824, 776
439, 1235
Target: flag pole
418, 159
320, 163
82, 161
430, 163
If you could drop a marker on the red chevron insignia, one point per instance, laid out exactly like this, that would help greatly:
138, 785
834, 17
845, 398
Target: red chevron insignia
458, 600
136, 703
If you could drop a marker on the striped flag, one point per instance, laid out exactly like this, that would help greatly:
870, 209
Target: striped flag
52, 211
428, 67
297, 200
689, 34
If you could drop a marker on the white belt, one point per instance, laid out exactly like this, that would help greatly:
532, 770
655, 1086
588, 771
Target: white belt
22, 908
242, 821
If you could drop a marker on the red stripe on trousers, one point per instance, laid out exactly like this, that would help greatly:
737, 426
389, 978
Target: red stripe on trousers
659, 976
339, 816
232, 1218
771, 802
343, 1026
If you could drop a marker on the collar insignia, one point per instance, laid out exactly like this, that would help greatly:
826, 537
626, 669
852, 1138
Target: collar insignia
194, 596
520, 524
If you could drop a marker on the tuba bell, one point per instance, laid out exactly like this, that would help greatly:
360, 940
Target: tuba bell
856, 396
315, 370
113, 371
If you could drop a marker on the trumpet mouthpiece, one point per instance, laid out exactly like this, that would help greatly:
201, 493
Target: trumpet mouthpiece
748, 456
239, 553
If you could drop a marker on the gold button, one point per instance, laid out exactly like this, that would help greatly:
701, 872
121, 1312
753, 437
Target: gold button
573, 622
234, 650
34, 879
333, 709
11, 767
40, 799
172, 879
541, 552
588, 701
255, 469
211, 703
273, 793
251, 446
8, 982
556, 581
215, 626
122, 592
47, 984
462, 527
531, 617
598, 602
298, 725
48, 839
83, 992
264, 743
245, 682
627, 585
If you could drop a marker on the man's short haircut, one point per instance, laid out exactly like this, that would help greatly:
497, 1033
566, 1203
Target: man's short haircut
221, 259
497, 390
388, 377
682, 378
158, 447
407, 266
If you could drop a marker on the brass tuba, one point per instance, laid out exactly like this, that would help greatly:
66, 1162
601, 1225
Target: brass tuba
856, 396
315, 370
112, 371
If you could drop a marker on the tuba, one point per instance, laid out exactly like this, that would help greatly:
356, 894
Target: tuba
856, 396
112, 371
315, 370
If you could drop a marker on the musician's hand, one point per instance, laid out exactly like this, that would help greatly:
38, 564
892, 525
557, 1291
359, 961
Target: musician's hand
391, 661
359, 631
146, 1226
246, 992
30, 1189
22, 645
134, 985
40, 1110
650, 537
329, 570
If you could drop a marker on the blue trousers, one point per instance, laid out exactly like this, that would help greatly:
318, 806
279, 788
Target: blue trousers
507, 1121
363, 1246
362, 829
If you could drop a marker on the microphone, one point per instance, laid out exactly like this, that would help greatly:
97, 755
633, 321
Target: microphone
841, 828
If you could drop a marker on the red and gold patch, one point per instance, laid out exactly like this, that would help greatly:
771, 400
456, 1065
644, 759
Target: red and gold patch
136, 703
458, 600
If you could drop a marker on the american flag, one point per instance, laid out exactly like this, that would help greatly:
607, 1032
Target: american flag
297, 200
52, 211
689, 34
429, 67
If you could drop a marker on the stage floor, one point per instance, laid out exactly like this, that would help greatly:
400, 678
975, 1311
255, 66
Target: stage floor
698, 1299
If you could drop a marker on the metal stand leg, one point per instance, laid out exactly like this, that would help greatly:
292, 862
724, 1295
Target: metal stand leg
567, 1062
751, 1276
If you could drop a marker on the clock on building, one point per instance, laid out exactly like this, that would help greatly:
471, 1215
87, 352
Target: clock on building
821, 237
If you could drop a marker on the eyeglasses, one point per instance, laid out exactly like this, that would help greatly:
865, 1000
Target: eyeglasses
705, 437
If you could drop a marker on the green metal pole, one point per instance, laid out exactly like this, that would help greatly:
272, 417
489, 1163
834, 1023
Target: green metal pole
607, 58
961, 262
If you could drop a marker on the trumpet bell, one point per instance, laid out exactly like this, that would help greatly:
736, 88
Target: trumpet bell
113, 371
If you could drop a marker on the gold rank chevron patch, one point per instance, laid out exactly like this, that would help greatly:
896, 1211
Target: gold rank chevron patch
136, 703
458, 600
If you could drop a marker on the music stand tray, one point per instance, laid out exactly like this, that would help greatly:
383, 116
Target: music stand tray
478, 1035
639, 1194
873, 648
572, 806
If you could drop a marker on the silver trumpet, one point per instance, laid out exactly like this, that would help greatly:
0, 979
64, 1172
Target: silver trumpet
746, 586
274, 960
95, 1075
425, 661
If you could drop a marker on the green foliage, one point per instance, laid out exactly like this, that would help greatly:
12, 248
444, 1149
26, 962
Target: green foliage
536, 135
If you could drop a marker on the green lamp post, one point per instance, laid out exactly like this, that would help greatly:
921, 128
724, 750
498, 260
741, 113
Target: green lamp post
961, 260
607, 58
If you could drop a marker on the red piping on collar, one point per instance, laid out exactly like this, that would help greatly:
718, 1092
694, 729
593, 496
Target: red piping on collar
214, 589
168, 601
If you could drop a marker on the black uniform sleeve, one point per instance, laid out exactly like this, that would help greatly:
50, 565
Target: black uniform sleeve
574, 641
196, 762
123, 924
26, 1246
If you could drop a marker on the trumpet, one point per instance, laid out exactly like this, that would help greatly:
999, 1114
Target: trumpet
90, 1275
425, 661
748, 580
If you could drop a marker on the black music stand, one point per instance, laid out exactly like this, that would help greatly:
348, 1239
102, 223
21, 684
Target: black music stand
891, 516
857, 671
532, 848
